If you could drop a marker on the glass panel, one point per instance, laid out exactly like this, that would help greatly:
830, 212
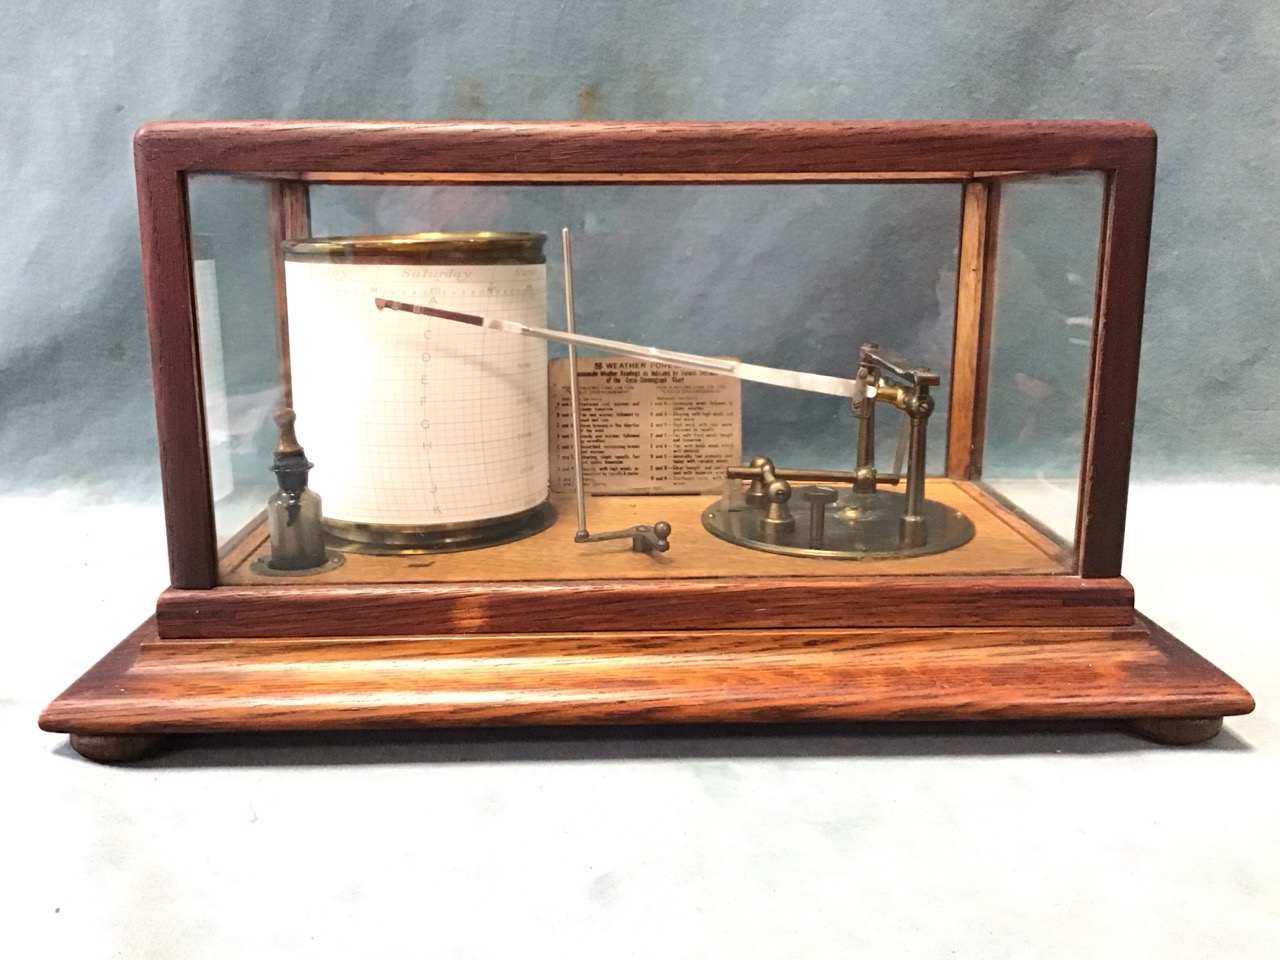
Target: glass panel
239, 352
1046, 276
395, 408
794, 276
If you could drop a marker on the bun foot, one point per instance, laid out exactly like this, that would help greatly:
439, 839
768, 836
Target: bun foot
1178, 731
116, 747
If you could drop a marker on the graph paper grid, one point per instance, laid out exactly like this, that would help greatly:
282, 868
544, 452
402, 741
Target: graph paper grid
412, 420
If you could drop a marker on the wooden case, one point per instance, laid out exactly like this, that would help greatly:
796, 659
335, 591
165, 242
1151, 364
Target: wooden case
1040, 633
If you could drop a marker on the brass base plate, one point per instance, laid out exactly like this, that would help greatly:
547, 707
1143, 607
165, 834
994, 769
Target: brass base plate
263, 568
388, 541
858, 526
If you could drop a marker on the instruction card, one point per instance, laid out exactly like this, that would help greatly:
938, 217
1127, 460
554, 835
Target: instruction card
646, 427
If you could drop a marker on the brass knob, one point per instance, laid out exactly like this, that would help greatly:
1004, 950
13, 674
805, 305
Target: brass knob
756, 490
778, 519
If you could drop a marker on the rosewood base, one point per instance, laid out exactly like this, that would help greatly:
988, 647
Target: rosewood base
149, 686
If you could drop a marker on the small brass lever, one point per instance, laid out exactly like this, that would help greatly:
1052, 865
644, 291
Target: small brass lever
644, 538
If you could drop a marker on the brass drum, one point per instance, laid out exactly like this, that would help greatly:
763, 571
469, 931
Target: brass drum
426, 434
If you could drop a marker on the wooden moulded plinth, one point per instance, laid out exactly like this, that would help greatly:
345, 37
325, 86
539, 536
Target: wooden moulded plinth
149, 686
371, 650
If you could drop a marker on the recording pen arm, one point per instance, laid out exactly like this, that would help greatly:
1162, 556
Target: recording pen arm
778, 377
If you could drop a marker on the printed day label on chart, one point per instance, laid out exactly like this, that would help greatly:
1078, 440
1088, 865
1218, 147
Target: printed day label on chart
646, 427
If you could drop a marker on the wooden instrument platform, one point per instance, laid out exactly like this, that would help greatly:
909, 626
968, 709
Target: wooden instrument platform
1003, 544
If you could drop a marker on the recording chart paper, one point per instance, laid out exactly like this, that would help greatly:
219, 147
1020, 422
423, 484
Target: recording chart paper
411, 420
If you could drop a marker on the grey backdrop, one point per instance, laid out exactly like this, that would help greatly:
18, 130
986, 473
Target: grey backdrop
79, 77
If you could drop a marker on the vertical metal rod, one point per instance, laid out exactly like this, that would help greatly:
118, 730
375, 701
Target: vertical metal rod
915, 468
867, 435
913, 530
866, 414
579, 490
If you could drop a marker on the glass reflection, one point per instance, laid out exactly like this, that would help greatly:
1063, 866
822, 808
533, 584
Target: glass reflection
239, 352
1046, 275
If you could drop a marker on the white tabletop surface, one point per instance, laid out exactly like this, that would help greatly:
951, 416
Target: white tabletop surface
888, 841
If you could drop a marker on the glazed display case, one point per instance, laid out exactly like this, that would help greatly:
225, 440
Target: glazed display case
587, 423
